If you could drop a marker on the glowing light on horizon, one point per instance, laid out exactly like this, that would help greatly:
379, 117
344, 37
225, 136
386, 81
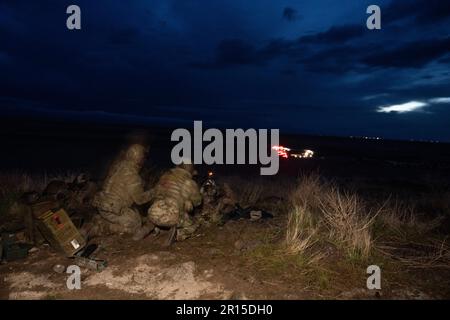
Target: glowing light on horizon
304, 154
282, 151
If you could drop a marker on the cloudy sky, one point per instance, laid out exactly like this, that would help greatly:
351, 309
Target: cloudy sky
301, 66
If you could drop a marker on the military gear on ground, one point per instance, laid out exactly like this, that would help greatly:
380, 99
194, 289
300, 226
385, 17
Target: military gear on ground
56, 190
82, 192
122, 189
93, 264
76, 196
218, 200
176, 194
11, 249
60, 232
250, 213
87, 258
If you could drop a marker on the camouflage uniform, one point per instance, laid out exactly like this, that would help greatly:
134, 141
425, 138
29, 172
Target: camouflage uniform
122, 189
217, 201
82, 192
176, 194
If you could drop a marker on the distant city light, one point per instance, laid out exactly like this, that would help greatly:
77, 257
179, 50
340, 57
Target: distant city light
304, 154
366, 138
285, 152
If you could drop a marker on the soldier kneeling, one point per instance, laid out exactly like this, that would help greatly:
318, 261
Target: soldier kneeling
122, 189
218, 201
176, 194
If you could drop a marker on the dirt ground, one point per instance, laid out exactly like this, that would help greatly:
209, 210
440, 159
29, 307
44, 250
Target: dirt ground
235, 261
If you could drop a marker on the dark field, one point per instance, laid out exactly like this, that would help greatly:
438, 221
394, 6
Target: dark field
394, 197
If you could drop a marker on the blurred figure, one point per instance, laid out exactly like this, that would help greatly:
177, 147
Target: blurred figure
82, 192
122, 189
176, 194
218, 200
75, 196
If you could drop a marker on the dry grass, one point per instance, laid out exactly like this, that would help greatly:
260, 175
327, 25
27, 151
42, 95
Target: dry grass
348, 221
406, 236
424, 255
307, 192
14, 184
251, 194
404, 222
257, 192
17, 183
301, 235
301, 231
321, 211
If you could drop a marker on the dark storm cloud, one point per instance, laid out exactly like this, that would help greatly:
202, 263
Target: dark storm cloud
421, 11
109, 61
241, 62
290, 14
411, 55
336, 34
238, 52
336, 60
349, 47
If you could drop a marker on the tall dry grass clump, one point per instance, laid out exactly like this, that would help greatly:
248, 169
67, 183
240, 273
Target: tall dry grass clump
321, 212
307, 192
303, 225
348, 221
301, 230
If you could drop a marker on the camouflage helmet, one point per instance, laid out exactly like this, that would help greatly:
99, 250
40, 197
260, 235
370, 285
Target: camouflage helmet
136, 153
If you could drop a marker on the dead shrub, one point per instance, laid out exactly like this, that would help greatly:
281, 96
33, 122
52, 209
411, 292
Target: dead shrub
348, 221
320, 210
308, 192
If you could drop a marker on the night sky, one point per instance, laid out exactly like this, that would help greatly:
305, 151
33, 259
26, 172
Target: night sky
302, 66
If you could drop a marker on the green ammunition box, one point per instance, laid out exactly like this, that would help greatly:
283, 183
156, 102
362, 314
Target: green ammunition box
59, 230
